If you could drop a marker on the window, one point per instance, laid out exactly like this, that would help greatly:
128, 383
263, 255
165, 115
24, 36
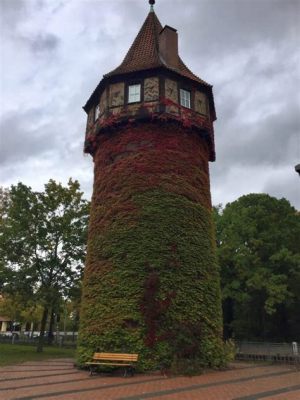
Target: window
134, 93
185, 98
97, 112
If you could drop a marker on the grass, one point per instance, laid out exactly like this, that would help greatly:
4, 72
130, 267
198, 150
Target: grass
17, 353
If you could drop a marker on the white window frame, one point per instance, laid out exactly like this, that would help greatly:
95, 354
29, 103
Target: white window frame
97, 112
185, 98
134, 93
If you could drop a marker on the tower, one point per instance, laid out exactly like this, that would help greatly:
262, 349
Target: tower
151, 282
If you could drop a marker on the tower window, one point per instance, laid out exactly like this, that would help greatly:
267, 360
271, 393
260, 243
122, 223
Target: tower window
185, 98
134, 93
97, 112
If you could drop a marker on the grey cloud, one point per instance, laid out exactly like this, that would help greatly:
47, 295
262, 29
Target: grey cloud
223, 41
270, 71
287, 185
225, 25
23, 136
44, 42
270, 141
12, 12
39, 43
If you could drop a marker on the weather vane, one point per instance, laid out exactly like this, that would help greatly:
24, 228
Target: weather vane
151, 2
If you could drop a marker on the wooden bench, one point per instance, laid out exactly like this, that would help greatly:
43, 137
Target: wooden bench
114, 360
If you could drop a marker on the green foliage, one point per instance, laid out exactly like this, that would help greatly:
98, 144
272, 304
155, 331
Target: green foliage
156, 288
151, 282
259, 253
42, 242
11, 307
230, 350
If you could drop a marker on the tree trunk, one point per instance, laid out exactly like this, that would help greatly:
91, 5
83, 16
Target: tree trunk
263, 322
50, 336
31, 330
228, 318
39, 348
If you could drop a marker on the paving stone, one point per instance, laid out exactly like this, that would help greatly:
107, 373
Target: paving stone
59, 380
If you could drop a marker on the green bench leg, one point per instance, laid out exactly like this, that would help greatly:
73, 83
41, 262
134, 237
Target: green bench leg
129, 370
92, 370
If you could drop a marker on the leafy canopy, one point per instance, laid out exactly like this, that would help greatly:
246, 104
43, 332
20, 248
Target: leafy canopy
42, 240
258, 238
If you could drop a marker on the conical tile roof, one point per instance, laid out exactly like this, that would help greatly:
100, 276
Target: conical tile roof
144, 53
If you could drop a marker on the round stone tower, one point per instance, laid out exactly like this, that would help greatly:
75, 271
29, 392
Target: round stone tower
151, 282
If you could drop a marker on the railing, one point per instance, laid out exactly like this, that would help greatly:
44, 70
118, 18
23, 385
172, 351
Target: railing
265, 351
62, 340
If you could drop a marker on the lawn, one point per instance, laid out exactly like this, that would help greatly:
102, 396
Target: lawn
17, 353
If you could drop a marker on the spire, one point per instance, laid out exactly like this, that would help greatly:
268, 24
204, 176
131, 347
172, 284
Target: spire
151, 2
143, 53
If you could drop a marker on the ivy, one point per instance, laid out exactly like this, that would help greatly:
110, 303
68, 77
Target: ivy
151, 281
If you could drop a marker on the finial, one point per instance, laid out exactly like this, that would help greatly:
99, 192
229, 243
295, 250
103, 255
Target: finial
151, 2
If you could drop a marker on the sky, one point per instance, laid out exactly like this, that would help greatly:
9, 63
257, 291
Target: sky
53, 53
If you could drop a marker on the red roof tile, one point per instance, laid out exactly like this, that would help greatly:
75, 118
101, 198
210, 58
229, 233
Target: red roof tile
144, 53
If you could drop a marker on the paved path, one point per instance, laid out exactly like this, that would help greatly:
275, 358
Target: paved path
59, 380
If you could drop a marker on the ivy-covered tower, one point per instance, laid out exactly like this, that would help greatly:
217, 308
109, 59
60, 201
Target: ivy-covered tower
151, 282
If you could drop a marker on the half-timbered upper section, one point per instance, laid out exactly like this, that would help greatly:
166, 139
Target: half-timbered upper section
153, 83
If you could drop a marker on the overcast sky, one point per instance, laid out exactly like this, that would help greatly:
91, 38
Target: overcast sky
53, 53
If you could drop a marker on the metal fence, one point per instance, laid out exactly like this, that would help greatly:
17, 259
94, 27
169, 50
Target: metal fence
67, 340
265, 351
247, 351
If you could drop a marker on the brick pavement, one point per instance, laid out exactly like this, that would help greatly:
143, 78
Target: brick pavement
58, 379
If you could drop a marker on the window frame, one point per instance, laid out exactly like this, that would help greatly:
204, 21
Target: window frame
183, 99
130, 85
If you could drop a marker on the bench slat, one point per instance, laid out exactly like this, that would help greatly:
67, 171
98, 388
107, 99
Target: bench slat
115, 356
113, 359
108, 363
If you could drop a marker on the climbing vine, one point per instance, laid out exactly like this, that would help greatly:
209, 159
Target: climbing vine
151, 282
154, 112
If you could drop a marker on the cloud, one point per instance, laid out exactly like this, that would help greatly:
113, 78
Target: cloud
54, 53
284, 183
24, 136
12, 12
43, 42
225, 26
272, 140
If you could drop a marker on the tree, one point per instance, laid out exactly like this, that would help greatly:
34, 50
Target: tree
11, 307
43, 242
19, 312
258, 239
4, 200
